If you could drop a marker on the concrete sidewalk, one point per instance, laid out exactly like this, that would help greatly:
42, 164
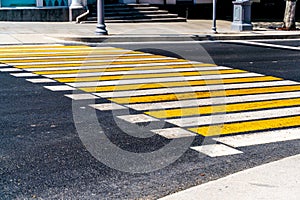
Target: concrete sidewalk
278, 180
53, 32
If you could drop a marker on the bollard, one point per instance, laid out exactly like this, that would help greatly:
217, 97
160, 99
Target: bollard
241, 15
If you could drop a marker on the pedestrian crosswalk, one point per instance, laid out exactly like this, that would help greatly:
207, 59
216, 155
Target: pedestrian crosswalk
195, 98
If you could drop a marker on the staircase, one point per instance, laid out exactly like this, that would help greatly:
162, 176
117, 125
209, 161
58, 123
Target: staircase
130, 13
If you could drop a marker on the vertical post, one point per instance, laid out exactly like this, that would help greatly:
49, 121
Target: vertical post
39, 3
242, 15
214, 24
101, 28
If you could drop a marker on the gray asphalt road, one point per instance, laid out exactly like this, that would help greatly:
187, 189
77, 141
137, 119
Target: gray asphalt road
42, 155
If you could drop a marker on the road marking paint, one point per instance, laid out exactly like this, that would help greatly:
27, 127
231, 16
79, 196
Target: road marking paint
116, 88
53, 59
160, 80
86, 61
173, 133
64, 53
40, 80
81, 96
10, 70
213, 101
138, 118
216, 150
59, 88
132, 68
139, 76
265, 44
260, 138
149, 71
194, 95
83, 67
23, 74
87, 56
107, 106
241, 127
234, 117
99, 63
4, 65
192, 89
183, 112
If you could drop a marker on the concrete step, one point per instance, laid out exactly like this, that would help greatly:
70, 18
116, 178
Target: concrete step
178, 19
132, 13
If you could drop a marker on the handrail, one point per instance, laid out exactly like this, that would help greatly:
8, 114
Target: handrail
78, 19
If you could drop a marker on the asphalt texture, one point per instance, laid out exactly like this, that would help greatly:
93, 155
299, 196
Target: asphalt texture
42, 156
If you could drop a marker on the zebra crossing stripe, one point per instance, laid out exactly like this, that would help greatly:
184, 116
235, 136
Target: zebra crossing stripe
36, 60
260, 138
86, 61
233, 117
132, 68
60, 88
138, 118
162, 80
11, 69
23, 74
40, 80
206, 94
99, 63
205, 110
173, 133
107, 106
105, 66
248, 126
138, 76
216, 150
117, 88
150, 71
64, 53
193, 89
213, 101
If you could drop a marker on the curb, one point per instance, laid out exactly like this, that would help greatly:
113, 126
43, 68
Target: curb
155, 38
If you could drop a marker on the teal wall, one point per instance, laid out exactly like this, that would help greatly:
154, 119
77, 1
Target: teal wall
15, 3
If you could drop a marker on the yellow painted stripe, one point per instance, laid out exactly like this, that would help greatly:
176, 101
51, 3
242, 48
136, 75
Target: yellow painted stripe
249, 126
58, 48
122, 69
224, 108
178, 83
197, 95
115, 58
3, 48
99, 63
63, 53
137, 76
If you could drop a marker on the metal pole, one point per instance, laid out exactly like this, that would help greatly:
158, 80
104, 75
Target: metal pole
101, 28
214, 25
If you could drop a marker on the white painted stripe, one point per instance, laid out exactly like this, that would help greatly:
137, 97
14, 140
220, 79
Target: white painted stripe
213, 101
172, 133
81, 96
265, 44
4, 65
216, 150
137, 118
10, 70
110, 66
107, 106
63, 57
260, 138
160, 80
41, 80
235, 117
23, 74
193, 89
59, 88
92, 61
168, 70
